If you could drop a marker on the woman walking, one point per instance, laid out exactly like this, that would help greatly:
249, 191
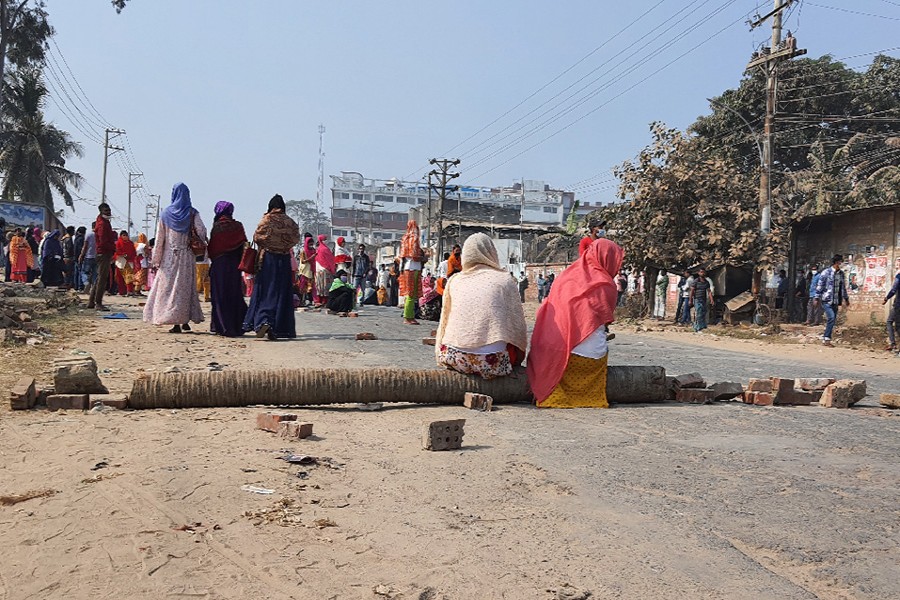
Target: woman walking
271, 312
173, 298
410, 278
226, 247
568, 358
51, 260
125, 260
325, 268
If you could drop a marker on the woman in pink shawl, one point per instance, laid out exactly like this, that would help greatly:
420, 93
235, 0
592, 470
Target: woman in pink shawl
568, 358
324, 270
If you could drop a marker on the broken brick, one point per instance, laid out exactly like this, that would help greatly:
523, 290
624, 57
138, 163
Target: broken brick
478, 402
444, 435
269, 421
890, 400
814, 385
23, 394
691, 380
726, 390
760, 385
366, 336
429, 341
843, 393
295, 429
695, 396
119, 401
759, 398
67, 402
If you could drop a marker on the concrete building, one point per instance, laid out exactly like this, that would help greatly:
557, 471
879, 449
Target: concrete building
375, 211
868, 240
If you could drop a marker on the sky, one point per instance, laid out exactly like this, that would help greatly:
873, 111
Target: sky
227, 96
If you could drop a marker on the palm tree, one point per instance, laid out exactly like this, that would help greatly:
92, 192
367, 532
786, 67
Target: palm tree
33, 152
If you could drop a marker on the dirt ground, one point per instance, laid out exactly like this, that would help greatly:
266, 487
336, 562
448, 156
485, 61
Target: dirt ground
654, 501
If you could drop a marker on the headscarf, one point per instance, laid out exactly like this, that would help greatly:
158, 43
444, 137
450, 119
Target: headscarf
142, 238
276, 232
50, 245
428, 290
481, 304
125, 247
409, 246
582, 299
324, 255
276, 203
340, 240
177, 215
223, 208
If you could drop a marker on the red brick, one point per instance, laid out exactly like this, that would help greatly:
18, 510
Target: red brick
119, 401
23, 394
796, 398
478, 402
366, 336
763, 398
444, 435
695, 396
293, 429
270, 421
67, 402
760, 385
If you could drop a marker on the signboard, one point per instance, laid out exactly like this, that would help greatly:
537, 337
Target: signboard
22, 215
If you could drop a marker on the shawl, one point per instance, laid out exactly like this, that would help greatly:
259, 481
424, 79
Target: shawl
125, 247
337, 284
20, 245
50, 246
277, 233
454, 265
582, 299
308, 253
226, 235
409, 245
177, 215
324, 256
341, 254
481, 304
428, 291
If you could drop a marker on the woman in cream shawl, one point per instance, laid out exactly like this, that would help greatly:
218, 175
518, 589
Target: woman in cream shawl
482, 329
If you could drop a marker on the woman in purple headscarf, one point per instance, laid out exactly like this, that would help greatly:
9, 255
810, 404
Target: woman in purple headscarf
51, 260
173, 298
226, 246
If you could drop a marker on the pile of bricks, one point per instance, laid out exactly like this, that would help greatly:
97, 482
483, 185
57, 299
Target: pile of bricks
284, 424
692, 389
828, 392
25, 395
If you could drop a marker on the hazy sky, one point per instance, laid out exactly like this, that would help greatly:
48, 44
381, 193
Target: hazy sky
228, 98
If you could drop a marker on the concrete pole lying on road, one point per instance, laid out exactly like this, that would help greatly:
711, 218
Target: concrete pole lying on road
293, 387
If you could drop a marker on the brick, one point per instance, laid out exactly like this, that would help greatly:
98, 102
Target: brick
77, 376
890, 400
783, 389
366, 336
429, 341
23, 394
726, 390
119, 401
67, 402
815, 385
295, 429
796, 398
670, 388
444, 435
478, 402
759, 398
843, 393
695, 396
270, 421
691, 380
760, 385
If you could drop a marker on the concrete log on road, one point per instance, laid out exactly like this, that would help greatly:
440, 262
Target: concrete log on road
301, 387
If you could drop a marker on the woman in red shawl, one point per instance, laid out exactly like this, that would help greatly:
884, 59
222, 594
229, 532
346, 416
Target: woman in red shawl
568, 357
124, 259
410, 277
325, 268
342, 257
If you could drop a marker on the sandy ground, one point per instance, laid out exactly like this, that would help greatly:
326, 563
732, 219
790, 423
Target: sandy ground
664, 501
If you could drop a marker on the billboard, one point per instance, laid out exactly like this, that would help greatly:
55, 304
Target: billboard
22, 215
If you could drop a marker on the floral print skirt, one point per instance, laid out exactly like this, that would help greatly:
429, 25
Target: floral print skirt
489, 366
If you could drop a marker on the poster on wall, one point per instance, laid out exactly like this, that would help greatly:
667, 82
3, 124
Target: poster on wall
876, 274
22, 215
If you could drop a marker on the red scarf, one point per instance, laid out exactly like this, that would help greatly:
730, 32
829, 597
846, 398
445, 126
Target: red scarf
125, 247
226, 235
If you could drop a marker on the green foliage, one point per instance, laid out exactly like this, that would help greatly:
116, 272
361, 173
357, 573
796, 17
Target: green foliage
308, 216
33, 153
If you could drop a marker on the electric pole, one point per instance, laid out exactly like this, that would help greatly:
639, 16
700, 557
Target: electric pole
769, 58
132, 186
106, 155
372, 205
443, 176
156, 226
320, 189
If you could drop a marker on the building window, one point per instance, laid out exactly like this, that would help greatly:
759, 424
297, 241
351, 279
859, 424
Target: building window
385, 198
402, 200
421, 200
357, 196
551, 209
345, 196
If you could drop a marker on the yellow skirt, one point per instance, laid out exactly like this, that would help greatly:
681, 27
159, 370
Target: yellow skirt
583, 385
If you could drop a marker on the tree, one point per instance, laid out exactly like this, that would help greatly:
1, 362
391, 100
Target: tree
33, 153
308, 216
24, 31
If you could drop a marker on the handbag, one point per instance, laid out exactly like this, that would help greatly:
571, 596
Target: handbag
197, 243
248, 260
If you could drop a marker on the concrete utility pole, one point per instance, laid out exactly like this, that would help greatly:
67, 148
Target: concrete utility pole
132, 186
106, 155
156, 225
443, 175
769, 59
320, 189
372, 205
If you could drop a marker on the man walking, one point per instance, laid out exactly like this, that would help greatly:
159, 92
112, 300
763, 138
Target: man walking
814, 309
701, 299
621, 286
831, 291
541, 287
523, 285
106, 247
684, 288
361, 264
595, 231
894, 313
87, 261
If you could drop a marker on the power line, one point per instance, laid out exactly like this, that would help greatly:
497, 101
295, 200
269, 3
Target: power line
853, 12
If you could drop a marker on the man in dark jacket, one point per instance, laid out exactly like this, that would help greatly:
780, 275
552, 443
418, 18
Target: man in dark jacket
68, 254
361, 264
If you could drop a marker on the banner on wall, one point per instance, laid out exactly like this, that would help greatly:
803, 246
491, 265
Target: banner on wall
876, 274
22, 215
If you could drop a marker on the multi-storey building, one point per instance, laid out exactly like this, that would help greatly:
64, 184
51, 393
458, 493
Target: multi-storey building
376, 211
